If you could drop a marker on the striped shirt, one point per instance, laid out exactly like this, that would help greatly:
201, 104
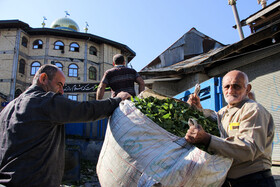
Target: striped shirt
120, 78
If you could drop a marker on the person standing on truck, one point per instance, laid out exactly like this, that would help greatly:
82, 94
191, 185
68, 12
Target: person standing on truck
120, 78
247, 131
32, 139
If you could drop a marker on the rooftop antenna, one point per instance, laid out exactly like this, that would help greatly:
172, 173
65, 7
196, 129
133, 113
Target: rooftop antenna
67, 14
43, 23
262, 2
235, 13
86, 28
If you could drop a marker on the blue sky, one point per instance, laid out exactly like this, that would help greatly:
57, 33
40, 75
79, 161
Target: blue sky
148, 27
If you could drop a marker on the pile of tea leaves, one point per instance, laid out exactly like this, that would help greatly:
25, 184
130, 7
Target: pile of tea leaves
173, 115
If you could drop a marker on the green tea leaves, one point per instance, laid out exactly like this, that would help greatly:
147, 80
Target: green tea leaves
173, 116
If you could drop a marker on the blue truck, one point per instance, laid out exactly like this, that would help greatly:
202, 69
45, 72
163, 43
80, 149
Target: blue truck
211, 96
93, 130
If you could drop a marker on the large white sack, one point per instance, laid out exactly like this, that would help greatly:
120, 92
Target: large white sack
138, 152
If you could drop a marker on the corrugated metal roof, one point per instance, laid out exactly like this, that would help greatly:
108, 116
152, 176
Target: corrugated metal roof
201, 63
194, 61
189, 45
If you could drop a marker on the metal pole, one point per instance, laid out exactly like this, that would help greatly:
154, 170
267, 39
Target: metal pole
235, 13
15, 67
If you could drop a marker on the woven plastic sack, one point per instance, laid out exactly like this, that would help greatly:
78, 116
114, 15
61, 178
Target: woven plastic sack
138, 152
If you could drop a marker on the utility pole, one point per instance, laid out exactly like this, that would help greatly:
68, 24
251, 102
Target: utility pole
235, 13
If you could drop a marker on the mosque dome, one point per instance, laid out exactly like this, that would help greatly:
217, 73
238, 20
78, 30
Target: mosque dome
65, 24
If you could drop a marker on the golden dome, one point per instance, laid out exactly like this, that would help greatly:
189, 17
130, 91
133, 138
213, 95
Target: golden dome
65, 24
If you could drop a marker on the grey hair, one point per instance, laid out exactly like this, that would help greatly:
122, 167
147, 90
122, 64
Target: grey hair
246, 79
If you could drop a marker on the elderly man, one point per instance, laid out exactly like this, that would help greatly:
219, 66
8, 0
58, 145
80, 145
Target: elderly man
32, 132
247, 132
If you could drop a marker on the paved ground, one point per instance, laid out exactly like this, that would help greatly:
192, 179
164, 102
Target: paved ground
88, 176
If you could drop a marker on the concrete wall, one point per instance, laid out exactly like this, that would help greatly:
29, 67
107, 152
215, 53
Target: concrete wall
172, 88
7, 45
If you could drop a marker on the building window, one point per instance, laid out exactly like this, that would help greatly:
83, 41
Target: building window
59, 45
21, 66
34, 67
38, 44
74, 47
59, 65
73, 97
93, 51
24, 41
73, 70
92, 73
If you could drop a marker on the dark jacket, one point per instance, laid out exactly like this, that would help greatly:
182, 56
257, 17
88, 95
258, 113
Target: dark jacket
32, 140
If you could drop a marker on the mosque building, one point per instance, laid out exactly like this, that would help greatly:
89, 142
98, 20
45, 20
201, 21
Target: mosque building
83, 57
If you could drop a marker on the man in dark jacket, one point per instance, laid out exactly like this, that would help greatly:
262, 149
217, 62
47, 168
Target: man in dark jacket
32, 140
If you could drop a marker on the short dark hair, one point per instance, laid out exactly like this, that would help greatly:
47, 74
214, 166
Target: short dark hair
118, 59
49, 69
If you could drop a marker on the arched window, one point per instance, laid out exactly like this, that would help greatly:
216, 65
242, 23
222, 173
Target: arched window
92, 73
21, 66
38, 44
59, 45
34, 67
17, 92
24, 41
74, 47
73, 70
59, 65
93, 51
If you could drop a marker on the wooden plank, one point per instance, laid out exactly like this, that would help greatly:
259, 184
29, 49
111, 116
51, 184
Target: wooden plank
261, 13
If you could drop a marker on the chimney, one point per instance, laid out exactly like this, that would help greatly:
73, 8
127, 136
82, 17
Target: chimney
262, 2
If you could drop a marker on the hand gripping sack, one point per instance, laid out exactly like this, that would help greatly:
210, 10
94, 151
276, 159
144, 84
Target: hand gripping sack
138, 152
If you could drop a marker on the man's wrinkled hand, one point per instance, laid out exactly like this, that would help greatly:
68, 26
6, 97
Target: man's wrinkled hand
197, 135
194, 100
